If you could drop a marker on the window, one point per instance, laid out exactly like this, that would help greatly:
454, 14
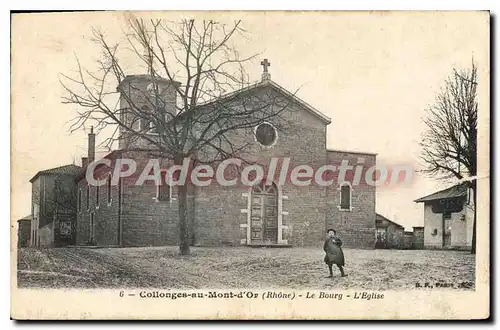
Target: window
108, 185
142, 123
147, 120
163, 192
152, 127
88, 198
152, 88
79, 202
345, 197
97, 195
381, 236
266, 134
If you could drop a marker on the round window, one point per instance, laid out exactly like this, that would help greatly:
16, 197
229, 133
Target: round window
266, 134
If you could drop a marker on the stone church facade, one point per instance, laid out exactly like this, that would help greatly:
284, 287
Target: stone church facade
265, 214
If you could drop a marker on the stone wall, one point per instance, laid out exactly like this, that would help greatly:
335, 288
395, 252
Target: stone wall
218, 213
23, 233
106, 215
45, 235
408, 240
301, 138
418, 238
355, 226
136, 88
461, 228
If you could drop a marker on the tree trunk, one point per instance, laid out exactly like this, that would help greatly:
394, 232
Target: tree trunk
473, 248
183, 220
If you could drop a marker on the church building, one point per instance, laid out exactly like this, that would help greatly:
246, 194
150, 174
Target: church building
266, 214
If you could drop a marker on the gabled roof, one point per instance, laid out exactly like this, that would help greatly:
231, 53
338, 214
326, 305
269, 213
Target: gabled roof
451, 192
380, 217
270, 83
26, 218
351, 152
70, 169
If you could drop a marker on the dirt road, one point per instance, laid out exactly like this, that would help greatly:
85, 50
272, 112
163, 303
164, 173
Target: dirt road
300, 268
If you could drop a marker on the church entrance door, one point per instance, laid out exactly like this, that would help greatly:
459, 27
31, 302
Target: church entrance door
446, 229
264, 217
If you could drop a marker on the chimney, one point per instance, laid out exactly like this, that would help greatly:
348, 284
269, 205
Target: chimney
85, 162
91, 148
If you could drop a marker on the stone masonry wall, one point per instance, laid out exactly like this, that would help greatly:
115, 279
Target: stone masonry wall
146, 220
106, 215
302, 139
23, 233
136, 87
356, 227
418, 238
217, 211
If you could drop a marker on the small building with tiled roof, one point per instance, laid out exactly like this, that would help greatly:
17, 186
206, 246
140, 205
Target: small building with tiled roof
455, 191
23, 231
53, 206
390, 234
70, 170
448, 218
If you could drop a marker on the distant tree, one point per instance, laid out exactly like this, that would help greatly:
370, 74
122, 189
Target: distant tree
449, 144
201, 56
61, 198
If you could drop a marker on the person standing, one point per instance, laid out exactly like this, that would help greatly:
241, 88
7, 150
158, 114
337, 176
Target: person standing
334, 253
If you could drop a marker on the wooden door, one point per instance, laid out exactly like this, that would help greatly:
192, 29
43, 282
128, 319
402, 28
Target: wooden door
446, 229
257, 223
264, 216
270, 218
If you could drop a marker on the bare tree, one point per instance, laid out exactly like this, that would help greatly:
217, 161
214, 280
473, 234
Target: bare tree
449, 145
60, 198
214, 104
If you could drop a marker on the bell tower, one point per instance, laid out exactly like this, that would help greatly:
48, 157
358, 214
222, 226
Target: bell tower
142, 99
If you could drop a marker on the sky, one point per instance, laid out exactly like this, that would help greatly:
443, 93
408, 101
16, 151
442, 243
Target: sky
373, 73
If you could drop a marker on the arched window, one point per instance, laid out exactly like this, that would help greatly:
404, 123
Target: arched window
345, 196
147, 120
87, 202
152, 88
79, 204
97, 193
108, 185
163, 191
